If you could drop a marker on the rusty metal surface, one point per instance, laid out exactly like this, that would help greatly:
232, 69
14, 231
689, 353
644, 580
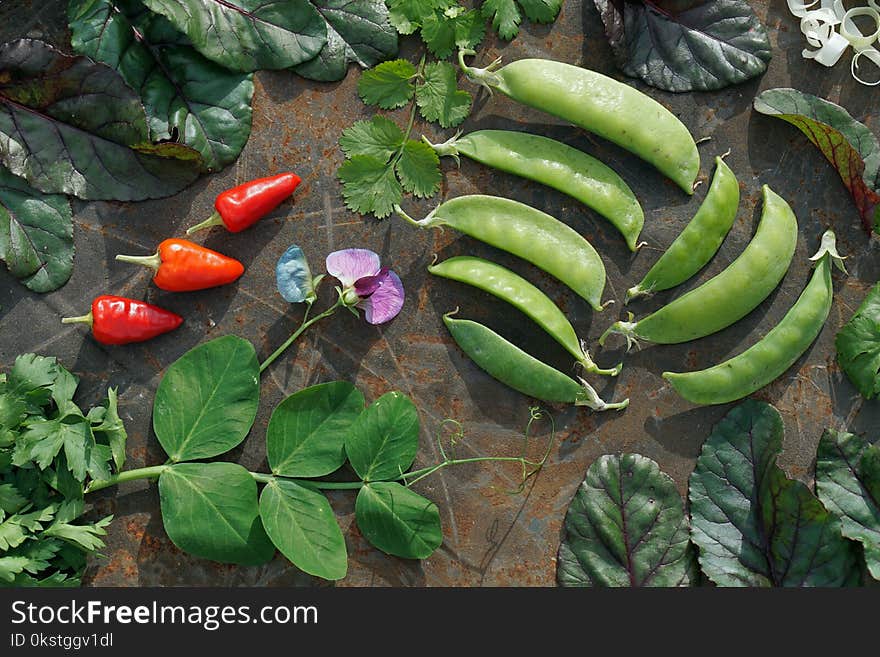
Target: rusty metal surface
490, 537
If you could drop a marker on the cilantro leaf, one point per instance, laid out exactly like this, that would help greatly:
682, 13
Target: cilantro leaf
505, 17
470, 28
419, 169
457, 26
369, 186
379, 137
858, 346
541, 11
388, 85
439, 98
409, 15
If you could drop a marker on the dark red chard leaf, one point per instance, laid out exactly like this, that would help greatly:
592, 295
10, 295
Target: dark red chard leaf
849, 145
686, 45
70, 125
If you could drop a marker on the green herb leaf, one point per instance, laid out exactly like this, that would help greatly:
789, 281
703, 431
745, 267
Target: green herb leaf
379, 137
111, 428
858, 346
17, 528
383, 441
398, 521
389, 85
207, 400
626, 527
439, 98
357, 31
694, 46
848, 483
210, 510
753, 525
31, 557
36, 234
248, 35
10, 499
369, 186
407, 16
306, 434
419, 169
505, 17
301, 524
78, 129
188, 98
850, 146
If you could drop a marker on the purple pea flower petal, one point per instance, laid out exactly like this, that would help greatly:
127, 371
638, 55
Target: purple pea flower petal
385, 303
368, 284
349, 265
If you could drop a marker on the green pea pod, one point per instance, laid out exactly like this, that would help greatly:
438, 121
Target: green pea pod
516, 369
602, 105
556, 165
518, 292
699, 241
773, 354
732, 294
527, 233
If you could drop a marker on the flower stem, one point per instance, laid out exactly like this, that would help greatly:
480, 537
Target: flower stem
306, 323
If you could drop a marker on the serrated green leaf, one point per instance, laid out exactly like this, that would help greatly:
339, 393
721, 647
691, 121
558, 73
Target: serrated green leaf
86, 537
10, 499
858, 346
505, 17
626, 526
369, 186
17, 527
34, 374
470, 29
408, 15
379, 137
442, 31
419, 169
112, 429
31, 557
439, 98
388, 85
752, 524
541, 11
848, 483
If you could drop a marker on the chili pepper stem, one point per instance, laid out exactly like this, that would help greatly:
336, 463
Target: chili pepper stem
214, 220
82, 319
151, 261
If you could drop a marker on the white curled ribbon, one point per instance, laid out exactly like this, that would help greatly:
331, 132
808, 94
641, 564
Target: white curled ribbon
829, 28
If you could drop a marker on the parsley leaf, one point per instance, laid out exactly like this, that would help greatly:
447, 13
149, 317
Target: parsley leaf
368, 185
388, 85
858, 346
10, 499
110, 427
379, 137
419, 169
439, 98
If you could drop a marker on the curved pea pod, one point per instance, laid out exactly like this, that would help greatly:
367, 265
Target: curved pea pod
773, 354
527, 233
699, 241
732, 294
525, 297
516, 369
556, 165
602, 105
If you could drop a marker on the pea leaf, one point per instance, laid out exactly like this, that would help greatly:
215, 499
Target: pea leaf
626, 527
301, 524
210, 510
247, 35
184, 93
70, 125
439, 98
306, 434
379, 137
388, 85
686, 46
849, 145
398, 521
506, 15
207, 400
357, 31
419, 169
753, 525
858, 346
848, 483
369, 186
36, 234
293, 277
382, 442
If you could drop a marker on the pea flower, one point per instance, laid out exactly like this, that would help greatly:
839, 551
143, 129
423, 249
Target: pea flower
366, 284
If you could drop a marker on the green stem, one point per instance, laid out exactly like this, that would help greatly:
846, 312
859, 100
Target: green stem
151, 472
82, 319
302, 327
152, 261
410, 478
214, 220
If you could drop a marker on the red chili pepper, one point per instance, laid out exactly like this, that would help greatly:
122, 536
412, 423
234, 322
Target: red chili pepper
117, 320
183, 266
241, 207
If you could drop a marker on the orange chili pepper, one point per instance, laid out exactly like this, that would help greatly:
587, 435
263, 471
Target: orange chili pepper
183, 266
